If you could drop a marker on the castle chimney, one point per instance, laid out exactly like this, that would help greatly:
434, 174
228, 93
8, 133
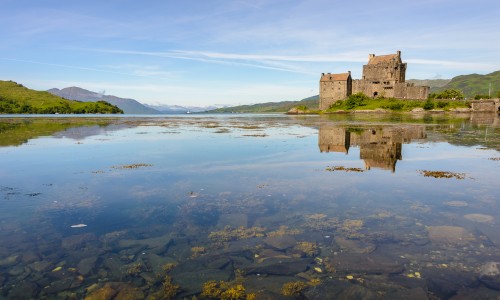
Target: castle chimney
370, 56
399, 53
349, 73
322, 74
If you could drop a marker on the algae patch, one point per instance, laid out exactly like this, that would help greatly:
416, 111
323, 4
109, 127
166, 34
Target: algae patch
442, 174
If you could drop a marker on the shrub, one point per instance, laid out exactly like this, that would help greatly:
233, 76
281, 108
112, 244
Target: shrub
396, 106
477, 97
356, 100
428, 105
442, 104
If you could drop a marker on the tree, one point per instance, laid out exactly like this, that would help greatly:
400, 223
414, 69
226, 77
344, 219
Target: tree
450, 94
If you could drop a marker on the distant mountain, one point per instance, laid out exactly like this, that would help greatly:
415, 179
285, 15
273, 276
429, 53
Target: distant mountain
129, 106
270, 107
474, 84
177, 109
432, 83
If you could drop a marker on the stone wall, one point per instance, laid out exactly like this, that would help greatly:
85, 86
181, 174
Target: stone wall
489, 105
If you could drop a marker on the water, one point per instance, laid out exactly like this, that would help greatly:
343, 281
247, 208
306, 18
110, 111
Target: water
308, 206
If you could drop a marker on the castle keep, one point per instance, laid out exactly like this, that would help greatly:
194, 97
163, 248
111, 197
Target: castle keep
383, 76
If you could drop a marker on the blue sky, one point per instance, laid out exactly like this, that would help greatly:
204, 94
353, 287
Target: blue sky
236, 52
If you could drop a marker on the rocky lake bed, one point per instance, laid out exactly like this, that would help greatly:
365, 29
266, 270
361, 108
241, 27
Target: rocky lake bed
250, 207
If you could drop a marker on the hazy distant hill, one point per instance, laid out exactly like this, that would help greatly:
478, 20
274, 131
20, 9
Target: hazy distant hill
432, 83
311, 102
474, 84
178, 109
129, 106
17, 99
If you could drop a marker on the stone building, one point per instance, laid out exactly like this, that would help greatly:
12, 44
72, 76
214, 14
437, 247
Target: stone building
383, 76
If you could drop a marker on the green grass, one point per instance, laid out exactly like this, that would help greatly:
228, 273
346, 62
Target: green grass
361, 102
17, 99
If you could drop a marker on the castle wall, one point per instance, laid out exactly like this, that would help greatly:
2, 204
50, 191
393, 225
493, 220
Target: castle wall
409, 91
417, 92
488, 105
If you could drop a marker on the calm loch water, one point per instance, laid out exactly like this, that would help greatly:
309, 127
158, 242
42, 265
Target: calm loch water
250, 207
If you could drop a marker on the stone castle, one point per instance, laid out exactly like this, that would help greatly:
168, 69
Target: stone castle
383, 76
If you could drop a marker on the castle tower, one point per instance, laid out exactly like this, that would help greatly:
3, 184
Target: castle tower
334, 87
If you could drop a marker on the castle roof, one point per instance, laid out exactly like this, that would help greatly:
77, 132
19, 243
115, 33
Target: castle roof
335, 77
383, 59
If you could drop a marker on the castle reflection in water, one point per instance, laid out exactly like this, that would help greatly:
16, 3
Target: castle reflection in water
380, 146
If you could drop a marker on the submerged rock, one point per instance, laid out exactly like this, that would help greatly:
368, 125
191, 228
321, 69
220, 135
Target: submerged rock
10, 261
456, 203
479, 218
86, 265
58, 286
280, 266
104, 293
445, 283
75, 242
281, 242
192, 281
157, 244
24, 290
449, 235
366, 264
489, 275
355, 246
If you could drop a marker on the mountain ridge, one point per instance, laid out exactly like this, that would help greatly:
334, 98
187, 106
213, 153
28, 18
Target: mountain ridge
129, 106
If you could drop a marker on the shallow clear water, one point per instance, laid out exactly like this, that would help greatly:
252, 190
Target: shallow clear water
339, 203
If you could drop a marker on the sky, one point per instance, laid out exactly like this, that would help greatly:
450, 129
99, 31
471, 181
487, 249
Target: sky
206, 52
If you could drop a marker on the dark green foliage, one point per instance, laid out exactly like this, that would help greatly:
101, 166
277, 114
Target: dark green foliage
478, 97
448, 94
442, 104
395, 106
428, 105
355, 100
17, 99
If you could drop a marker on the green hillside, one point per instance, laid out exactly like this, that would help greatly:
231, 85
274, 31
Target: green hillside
17, 99
474, 84
432, 83
270, 107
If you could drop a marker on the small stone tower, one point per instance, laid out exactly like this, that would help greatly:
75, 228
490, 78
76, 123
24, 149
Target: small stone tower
334, 87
